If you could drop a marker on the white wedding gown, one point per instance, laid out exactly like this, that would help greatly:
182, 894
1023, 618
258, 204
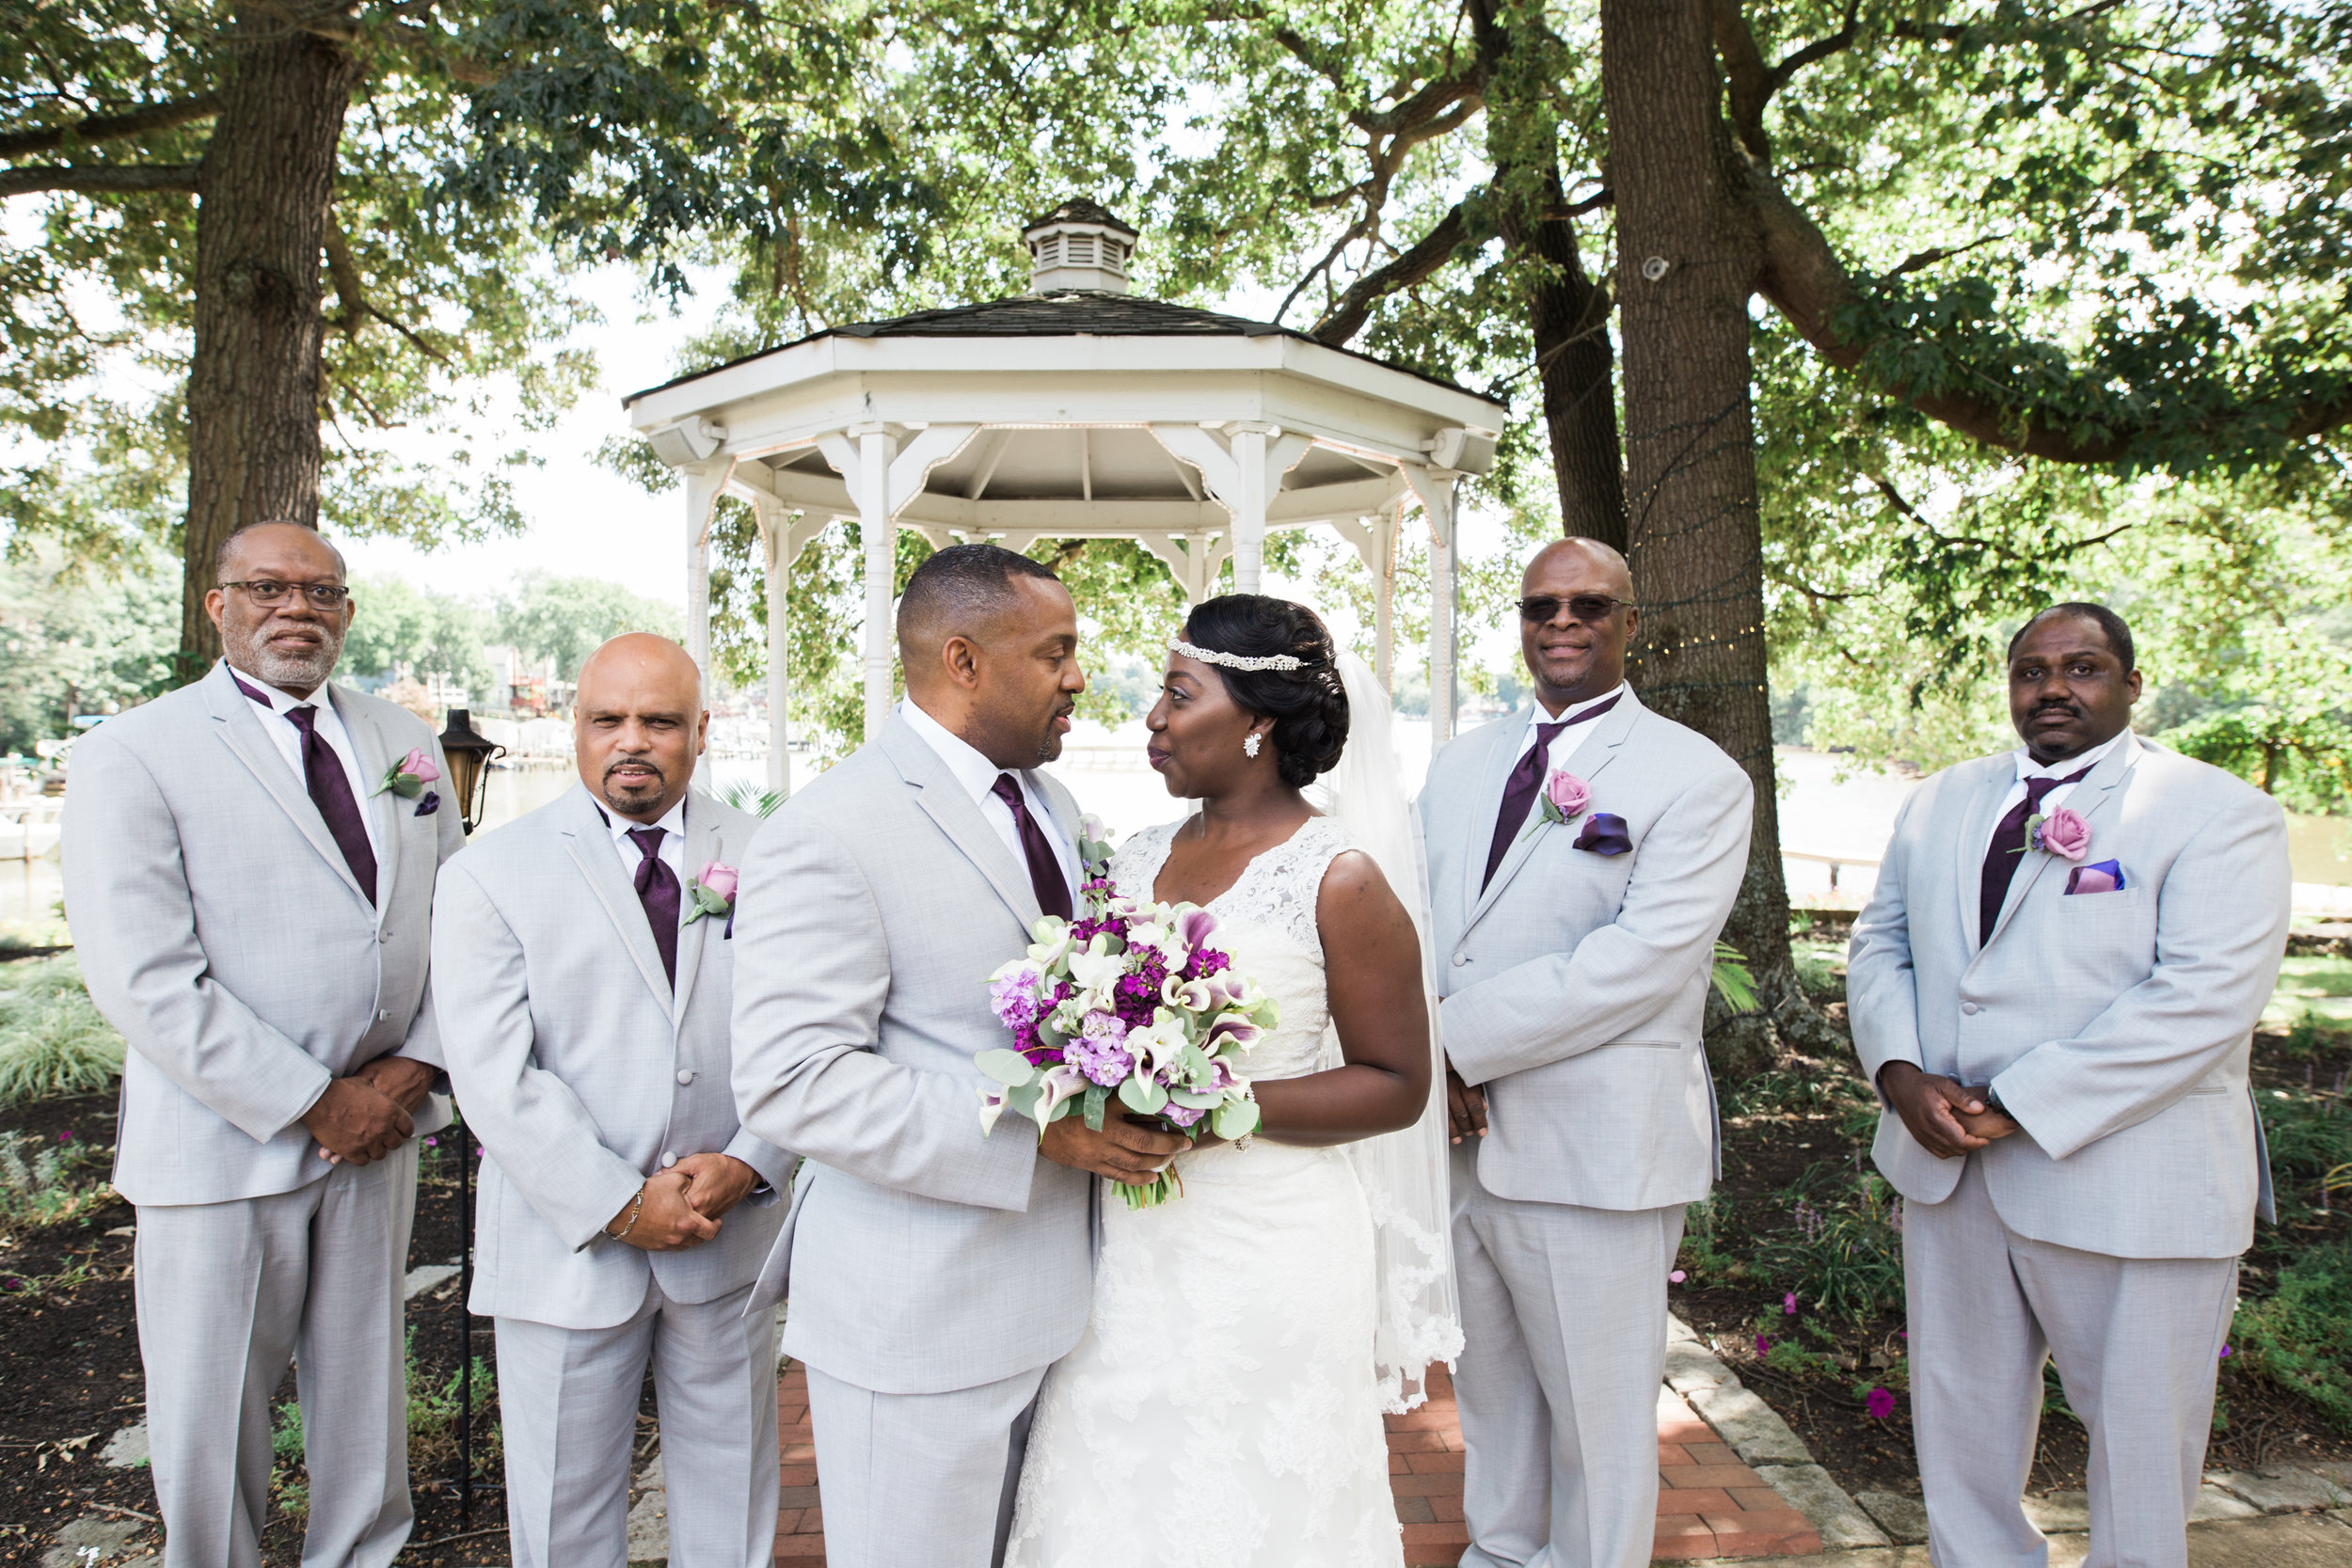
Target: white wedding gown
1223, 1409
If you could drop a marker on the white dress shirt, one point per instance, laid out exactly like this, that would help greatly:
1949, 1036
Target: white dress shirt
1565, 743
328, 724
672, 851
2028, 769
978, 777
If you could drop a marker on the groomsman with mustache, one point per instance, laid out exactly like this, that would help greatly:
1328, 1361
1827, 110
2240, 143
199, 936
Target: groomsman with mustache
2055, 988
251, 903
585, 967
1584, 855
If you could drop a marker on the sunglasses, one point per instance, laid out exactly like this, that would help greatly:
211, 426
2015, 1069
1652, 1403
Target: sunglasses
1590, 609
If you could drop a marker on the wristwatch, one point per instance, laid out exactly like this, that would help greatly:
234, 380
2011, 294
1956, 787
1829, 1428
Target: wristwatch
1993, 1101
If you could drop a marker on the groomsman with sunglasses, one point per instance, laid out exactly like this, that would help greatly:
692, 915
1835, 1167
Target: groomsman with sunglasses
251, 902
2055, 987
1583, 856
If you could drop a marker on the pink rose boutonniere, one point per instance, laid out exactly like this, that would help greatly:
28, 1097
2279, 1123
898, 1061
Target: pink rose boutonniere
1563, 799
408, 777
713, 891
2062, 833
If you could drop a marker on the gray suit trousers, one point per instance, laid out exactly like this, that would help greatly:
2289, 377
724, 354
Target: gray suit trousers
2137, 1341
227, 1294
567, 1398
1563, 1346
920, 1477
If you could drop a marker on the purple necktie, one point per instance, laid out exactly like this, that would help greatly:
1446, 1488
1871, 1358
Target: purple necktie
330, 791
2003, 856
1045, 873
1518, 794
658, 890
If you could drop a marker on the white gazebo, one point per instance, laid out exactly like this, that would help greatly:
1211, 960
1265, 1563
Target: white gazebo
1078, 410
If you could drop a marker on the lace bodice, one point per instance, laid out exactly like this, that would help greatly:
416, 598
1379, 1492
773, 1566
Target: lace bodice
1266, 925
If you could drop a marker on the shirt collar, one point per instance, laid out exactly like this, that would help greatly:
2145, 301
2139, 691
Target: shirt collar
971, 769
2028, 769
1535, 714
672, 821
280, 702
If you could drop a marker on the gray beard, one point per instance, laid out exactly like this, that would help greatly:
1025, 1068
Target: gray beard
284, 671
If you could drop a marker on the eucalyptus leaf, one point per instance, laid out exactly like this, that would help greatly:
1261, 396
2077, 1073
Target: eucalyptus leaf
1008, 1067
1235, 1120
1097, 1097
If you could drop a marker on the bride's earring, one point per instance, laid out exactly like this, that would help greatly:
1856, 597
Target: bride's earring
1250, 744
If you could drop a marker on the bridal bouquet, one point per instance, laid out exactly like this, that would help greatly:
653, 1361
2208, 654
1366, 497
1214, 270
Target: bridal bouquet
1131, 1001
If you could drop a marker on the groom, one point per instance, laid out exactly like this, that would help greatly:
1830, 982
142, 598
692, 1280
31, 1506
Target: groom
936, 1272
1574, 938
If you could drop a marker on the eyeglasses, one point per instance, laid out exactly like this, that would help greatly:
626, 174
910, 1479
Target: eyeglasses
1588, 607
265, 593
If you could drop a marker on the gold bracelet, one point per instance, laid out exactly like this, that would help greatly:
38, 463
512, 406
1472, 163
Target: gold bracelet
636, 1207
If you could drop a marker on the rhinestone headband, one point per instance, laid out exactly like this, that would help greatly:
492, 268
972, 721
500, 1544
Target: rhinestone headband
1245, 663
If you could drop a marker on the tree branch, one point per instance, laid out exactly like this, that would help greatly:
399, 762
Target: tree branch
342, 269
1804, 280
1349, 312
99, 179
1751, 85
98, 128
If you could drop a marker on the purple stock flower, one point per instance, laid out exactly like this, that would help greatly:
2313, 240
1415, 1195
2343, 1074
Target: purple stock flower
1183, 1116
1879, 1404
1099, 1050
1205, 962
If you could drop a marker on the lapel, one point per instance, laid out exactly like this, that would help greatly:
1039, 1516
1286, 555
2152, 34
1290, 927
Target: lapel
374, 751
589, 843
1983, 810
1478, 823
1598, 750
239, 721
2085, 800
703, 845
944, 801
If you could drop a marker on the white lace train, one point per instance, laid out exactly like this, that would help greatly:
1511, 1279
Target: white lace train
1221, 1409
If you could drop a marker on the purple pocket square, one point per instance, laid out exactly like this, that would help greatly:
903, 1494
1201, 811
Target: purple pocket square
2098, 877
1604, 834
429, 803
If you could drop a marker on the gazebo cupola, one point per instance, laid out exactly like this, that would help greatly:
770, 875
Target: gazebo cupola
1075, 410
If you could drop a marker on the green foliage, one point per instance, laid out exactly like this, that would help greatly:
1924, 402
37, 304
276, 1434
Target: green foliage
2308, 1134
80, 639
1731, 979
2305, 760
403, 629
49, 1182
52, 1042
1842, 1256
745, 796
565, 618
2297, 1335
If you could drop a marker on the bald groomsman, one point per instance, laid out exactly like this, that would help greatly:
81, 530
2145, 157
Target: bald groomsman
251, 904
587, 960
1583, 854
2055, 987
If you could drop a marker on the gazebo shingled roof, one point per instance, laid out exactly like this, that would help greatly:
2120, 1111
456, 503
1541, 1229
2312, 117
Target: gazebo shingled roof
1078, 410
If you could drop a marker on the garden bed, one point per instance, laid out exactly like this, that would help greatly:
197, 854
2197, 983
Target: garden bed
1793, 1271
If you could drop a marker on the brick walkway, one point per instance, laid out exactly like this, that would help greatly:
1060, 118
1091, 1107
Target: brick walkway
1711, 1504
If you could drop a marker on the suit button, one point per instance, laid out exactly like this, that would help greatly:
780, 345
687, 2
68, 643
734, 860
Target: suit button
684, 1075
1460, 958
1969, 1007
384, 935
668, 1160
383, 1013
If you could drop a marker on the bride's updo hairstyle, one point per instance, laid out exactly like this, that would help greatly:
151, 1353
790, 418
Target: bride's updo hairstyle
1308, 705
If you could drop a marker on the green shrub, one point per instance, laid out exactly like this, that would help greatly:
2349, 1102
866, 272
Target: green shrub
2309, 1134
1844, 1254
2296, 1336
52, 1041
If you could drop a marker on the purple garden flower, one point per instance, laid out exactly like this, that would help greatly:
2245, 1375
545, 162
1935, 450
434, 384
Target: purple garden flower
1789, 1305
1879, 1404
1763, 1346
1183, 1116
1206, 963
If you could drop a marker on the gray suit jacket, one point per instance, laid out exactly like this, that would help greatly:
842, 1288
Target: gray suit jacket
922, 1257
2115, 1026
580, 1072
219, 929
1575, 982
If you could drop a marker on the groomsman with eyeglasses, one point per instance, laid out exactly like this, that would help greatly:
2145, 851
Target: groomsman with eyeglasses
251, 904
1583, 856
2055, 987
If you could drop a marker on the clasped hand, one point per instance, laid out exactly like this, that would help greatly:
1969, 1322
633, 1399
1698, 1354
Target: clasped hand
1948, 1118
684, 1203
1124, 1150
367, 1116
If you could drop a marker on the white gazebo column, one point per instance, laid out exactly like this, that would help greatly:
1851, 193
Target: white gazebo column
704, 482
1248, 504
1384, 599
775, 526
1436, 489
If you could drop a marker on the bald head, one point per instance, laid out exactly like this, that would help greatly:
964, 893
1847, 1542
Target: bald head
1576, 617
638, 724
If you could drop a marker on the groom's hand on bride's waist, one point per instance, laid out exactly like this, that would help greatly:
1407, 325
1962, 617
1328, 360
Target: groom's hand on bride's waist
1122, 1150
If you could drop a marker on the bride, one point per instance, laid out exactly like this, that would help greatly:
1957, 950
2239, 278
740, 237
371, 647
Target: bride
1223, 1407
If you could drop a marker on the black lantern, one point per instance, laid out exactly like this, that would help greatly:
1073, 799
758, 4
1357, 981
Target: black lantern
468, 757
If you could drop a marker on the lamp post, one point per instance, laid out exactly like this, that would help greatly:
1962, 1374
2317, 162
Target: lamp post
468, 757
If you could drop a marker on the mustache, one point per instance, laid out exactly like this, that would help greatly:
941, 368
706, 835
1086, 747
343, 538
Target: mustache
645, 763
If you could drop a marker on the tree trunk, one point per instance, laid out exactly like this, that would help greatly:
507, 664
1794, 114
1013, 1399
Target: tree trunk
1567, 316
263, 191
1687, 259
